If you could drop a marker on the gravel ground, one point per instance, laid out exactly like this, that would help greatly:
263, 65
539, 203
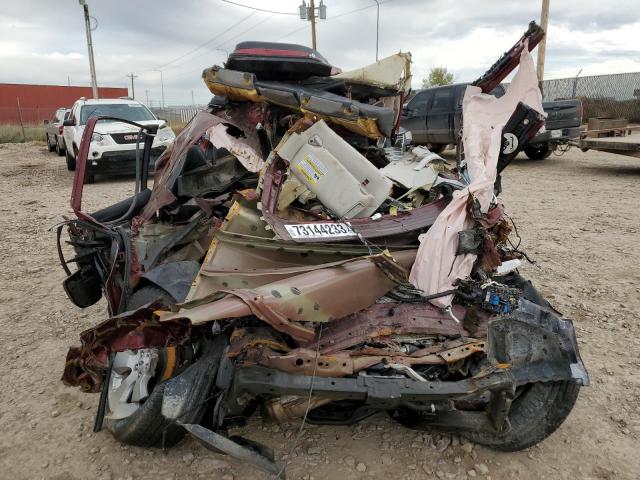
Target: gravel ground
578, 216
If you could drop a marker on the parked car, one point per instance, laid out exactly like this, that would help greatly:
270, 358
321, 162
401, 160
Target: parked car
434, 118
266, 272
113, 144
54, 129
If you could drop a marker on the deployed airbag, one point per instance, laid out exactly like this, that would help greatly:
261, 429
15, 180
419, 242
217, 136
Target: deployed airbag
437, 265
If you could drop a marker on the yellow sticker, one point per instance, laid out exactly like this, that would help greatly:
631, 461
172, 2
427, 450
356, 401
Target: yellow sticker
311, 168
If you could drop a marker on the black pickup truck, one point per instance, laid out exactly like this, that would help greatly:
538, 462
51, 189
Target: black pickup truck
434, 118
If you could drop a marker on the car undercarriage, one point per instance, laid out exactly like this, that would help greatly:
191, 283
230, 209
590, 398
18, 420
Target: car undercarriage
276, 265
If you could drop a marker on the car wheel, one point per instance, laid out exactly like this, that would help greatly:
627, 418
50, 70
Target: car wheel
71, 162
538, 151
134, 398
59, 150
535, 414
139, 381
49, 146
436, 148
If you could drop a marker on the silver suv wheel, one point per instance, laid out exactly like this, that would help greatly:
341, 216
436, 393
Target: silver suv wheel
129, 382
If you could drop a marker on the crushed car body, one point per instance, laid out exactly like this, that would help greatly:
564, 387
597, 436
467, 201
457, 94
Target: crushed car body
278, 265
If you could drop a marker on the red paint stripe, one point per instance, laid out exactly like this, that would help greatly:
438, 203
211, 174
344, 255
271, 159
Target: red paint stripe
271, 51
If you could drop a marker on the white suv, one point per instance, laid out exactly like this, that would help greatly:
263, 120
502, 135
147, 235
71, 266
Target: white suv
113, 144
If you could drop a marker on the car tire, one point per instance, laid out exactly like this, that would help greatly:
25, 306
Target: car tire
438, 149
147, 426
59, 150
49, 146
538, 151
71, 162
534, 415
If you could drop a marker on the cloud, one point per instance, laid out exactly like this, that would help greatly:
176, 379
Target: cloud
44, 41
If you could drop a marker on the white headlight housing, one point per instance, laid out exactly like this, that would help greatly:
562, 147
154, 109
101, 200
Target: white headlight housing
166, 134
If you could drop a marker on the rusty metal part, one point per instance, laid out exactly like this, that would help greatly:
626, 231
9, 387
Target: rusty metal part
244, 339
339, 364
385, 319
292, 407
316, 296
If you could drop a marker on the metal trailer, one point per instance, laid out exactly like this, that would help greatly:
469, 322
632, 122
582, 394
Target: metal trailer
621, 141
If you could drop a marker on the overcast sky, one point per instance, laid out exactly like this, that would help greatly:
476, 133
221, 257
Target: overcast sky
43, 41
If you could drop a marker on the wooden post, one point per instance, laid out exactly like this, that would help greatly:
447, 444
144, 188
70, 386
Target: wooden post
542, 46
24, 137
312, 9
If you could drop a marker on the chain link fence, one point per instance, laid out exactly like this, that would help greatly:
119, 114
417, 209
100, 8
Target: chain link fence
615, 95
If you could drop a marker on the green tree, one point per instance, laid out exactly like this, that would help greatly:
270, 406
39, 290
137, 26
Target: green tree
438, 76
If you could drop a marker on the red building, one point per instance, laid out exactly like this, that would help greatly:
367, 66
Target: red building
38, 102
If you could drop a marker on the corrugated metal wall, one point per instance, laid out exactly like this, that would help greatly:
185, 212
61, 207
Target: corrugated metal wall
39, 102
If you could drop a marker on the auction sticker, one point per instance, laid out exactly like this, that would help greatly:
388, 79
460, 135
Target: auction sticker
320, 230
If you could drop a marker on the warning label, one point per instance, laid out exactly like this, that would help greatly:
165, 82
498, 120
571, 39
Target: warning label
311, 168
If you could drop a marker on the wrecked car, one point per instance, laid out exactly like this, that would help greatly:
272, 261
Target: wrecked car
299, 259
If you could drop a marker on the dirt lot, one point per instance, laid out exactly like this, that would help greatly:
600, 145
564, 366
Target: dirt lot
579, 216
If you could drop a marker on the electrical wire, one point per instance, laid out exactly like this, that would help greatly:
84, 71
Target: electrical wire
255, 25
259, 9
202, 45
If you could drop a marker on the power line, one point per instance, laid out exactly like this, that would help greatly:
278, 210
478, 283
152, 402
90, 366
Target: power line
207, 42
258, 9
357, 10
255, 25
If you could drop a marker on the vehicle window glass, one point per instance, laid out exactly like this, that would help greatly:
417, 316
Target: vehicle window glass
442, 100
134, 112
420, 101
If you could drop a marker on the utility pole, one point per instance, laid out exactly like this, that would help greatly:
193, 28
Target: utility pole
133, 91
146, 92
542, 46
92, 65
193, 104
312, 11
161, 89
377, 27
309, 13
68, 81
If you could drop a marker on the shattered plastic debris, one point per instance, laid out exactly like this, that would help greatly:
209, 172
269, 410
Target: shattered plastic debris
413, 169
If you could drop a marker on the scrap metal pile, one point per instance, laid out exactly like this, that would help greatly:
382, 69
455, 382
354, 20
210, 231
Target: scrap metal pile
281, 261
